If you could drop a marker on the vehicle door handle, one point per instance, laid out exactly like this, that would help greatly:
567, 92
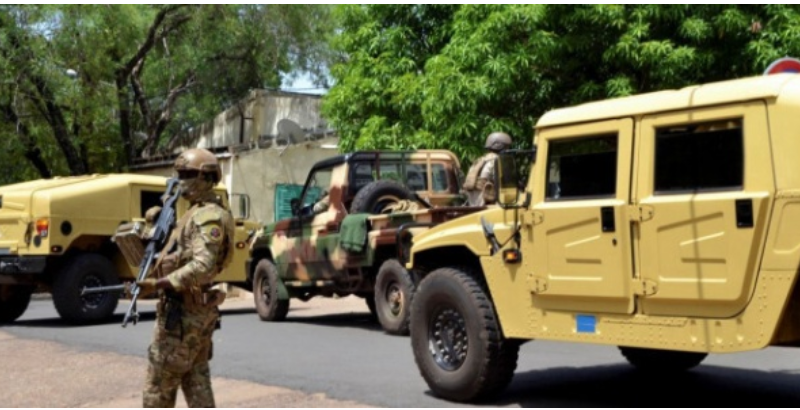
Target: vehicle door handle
607, 219
744, 213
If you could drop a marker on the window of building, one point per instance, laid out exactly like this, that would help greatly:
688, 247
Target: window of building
700, 157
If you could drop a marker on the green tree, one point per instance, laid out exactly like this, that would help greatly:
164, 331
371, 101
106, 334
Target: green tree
500, 67
91, 88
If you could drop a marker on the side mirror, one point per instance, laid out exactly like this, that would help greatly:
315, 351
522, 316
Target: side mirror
294, 203
507, 183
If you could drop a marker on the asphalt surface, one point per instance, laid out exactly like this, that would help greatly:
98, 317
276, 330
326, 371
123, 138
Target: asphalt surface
330, 354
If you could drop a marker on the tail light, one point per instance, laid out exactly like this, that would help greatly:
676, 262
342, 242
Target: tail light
42, 227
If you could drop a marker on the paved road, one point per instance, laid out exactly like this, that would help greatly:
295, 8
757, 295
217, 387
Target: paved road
330, 350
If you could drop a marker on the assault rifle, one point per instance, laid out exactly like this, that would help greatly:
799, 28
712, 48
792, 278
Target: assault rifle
161, 232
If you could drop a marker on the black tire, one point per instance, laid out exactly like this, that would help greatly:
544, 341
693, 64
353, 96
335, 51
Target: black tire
394, 290
265, 293
85, 270
456, 338
654, 360
14, 301
376, 196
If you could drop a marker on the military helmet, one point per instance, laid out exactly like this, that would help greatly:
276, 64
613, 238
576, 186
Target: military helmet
498, 141
195, 161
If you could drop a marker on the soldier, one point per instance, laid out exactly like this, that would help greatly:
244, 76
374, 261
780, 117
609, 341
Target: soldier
479, 184
187, 312
322, 204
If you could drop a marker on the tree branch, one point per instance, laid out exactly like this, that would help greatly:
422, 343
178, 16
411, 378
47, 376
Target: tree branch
153, 35
165, 112
139, 94
32, 151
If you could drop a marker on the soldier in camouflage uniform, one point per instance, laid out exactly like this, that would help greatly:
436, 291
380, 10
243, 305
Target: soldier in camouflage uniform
479, 184
187, 312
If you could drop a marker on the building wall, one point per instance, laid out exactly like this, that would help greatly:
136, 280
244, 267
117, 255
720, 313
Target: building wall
267, 117
257, 172
284, 136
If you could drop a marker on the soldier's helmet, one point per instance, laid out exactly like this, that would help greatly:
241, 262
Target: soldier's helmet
198, 172
498, 141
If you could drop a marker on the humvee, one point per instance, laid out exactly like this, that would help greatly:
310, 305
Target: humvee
352, 245
55, 236
662, 223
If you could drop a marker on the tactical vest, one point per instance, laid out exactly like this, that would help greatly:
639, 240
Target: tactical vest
224, 258
472, 183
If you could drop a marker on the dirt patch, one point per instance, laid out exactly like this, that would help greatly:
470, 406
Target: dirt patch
46, 374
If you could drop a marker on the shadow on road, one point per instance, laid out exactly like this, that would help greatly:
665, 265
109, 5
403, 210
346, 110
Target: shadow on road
56, 322
623, 386
353, 320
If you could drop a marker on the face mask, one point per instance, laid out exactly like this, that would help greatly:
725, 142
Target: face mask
194, 188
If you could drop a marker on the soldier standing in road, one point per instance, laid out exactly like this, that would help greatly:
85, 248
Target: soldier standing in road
188, 312
479, 184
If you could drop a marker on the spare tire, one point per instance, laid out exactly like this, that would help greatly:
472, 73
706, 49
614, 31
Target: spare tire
376, 196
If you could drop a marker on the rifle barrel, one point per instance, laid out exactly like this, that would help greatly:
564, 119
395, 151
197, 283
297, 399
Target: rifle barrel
103, 289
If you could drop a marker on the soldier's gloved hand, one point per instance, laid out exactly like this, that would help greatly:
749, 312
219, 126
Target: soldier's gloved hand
169, 264
214, 297
152, 214
147, 286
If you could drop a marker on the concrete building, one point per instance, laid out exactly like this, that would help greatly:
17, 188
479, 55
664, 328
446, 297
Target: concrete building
265, 144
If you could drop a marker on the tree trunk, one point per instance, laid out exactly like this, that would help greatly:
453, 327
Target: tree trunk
32, 152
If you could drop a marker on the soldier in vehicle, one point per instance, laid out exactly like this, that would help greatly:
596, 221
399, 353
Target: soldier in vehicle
479, 184
322, 204
187, 312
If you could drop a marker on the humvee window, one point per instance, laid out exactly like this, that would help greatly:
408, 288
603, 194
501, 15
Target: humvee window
148, 200
700, 157
582, 168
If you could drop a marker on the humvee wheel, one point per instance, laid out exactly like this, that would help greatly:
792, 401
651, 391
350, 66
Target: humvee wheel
661, 360
265, 293
394, 289
14, 301
85, 270
456, 338
377, 196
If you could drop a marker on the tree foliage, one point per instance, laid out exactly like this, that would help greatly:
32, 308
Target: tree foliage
445, 76
90, 88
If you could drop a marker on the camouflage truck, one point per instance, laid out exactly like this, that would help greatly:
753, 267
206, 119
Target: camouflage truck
663, 223
350, 246
55, 237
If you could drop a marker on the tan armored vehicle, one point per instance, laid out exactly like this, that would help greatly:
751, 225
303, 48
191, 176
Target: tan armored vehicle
664, 223
348, 228
55, 237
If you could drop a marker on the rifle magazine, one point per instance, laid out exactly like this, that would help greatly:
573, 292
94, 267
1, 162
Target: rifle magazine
128, 238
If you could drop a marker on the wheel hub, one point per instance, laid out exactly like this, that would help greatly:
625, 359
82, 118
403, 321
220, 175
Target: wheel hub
94, 300
448, 343
265, 292
394, 298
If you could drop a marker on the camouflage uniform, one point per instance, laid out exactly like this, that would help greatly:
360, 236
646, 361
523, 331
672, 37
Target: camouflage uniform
181, 349
478, 184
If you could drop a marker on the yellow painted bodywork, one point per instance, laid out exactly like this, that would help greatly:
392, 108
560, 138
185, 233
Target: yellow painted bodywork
677, 273
94, 206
